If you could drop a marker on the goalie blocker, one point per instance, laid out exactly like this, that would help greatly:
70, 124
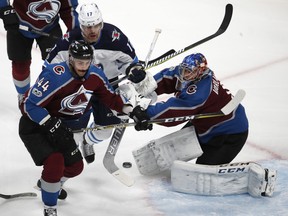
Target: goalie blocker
226, 179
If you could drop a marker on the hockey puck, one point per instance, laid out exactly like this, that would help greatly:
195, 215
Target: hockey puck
127, 164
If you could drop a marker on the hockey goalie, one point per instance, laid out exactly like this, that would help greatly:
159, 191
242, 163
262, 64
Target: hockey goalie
175, 152
212, 142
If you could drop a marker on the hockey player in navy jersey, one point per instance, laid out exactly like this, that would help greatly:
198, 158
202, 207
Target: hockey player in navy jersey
57, 103
197, 90
36, 15
116, 55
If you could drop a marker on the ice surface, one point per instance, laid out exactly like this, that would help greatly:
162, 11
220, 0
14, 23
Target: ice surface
252, 55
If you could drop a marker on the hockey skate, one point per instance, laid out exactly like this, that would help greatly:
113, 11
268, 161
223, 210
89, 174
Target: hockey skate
87, 151
50, 211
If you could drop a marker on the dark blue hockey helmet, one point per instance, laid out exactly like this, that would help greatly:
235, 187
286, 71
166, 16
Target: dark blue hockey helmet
80, 50
192, 67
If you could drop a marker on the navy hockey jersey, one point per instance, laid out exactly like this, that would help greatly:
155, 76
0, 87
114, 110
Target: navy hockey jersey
205, 96
113, 50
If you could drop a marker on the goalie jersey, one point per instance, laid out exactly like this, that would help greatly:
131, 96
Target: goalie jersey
205, 96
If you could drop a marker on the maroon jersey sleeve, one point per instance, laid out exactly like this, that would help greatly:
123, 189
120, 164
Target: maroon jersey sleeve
43, 15
104, 91
68, 13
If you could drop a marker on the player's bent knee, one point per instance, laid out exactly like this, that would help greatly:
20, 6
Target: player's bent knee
53, 167
74, 170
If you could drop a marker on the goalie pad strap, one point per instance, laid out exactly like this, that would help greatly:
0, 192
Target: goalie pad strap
261, 181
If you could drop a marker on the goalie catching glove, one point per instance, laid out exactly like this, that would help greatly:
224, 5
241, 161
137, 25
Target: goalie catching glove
135, 72
141, 119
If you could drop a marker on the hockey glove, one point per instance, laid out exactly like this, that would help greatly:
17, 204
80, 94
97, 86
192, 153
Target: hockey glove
10, 18
135, 72
59, 134
141, 119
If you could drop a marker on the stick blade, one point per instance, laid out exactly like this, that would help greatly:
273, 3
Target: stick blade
123, 178
227, 18
233, 104
11, 196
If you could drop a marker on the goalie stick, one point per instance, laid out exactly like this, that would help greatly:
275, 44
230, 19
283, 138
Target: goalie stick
109, 157
172, 53
226, 110
18, 195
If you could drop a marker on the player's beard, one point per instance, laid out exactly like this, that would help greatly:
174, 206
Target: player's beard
81, 73
75, 73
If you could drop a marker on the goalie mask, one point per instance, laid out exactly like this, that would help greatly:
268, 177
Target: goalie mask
192, 68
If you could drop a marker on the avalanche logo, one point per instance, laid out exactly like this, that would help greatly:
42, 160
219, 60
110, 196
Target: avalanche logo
76, 103
191, 89
44, 10
58, 69
115, 35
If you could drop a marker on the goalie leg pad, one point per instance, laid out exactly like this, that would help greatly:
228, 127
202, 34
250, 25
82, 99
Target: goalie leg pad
261, 181
226, 179
209, 180
158, 155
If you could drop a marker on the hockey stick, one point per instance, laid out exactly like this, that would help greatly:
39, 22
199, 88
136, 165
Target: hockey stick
226, 110
109, 157
157, 32
18, 195
108, 160
172, 53
26, 28
152, 45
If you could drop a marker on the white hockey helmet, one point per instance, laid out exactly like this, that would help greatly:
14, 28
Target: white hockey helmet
90, 15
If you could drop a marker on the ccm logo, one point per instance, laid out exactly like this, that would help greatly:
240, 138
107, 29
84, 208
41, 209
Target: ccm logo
185, 118
232, 170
